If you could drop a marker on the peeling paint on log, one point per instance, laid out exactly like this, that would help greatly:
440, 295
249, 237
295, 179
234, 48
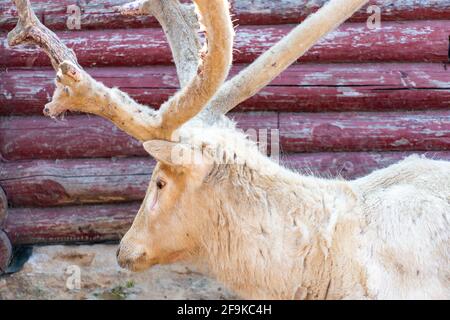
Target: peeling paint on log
295, 11
427, 131
415, 41
350, 165
47, 183
70, 224
5, 252
38, 137
75, 181
301, 88
96, 14
89, 136
84, 136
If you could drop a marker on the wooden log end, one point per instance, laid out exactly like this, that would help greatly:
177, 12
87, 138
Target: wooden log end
5, 252
70, 224
3, 206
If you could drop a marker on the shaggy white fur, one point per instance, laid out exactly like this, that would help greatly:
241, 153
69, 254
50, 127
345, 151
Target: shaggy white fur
268, 232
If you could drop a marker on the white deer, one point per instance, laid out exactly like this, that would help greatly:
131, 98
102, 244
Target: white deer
264, 231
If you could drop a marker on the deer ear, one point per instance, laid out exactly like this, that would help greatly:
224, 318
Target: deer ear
174, 154
160, 150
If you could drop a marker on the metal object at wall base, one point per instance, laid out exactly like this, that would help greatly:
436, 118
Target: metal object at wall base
5, 252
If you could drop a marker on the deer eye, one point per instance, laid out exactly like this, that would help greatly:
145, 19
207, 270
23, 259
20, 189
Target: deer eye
160, 183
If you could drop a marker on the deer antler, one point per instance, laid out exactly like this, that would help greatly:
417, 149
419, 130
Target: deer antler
78, 91
180, 24
30, 30
274, 61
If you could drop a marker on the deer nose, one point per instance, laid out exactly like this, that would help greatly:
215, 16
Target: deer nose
122, 258
128, 259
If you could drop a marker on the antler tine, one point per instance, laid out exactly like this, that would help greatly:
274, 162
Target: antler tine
30, 30
75, 89
270, 64
180, 24
214, 66
199, 78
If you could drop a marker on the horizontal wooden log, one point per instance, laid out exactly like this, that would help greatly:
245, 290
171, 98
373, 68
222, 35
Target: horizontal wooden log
5, 252
301, 88
84, 136
98, 14
76, 181
89, 136
415, 41
70, 224
426, 131
288, 11
350, 165
47, 183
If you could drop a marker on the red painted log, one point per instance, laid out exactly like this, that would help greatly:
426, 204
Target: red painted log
47, 183
74, 181
426, 131
37, 137
84, 137
69, 224
5, 252
415, 41
301, 88
288, 11
27, 91
101, 14
89, 136
350, 165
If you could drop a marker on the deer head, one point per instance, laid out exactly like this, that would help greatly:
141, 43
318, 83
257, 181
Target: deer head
167, 224
183, 195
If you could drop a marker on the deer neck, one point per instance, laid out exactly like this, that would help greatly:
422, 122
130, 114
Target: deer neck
272, 236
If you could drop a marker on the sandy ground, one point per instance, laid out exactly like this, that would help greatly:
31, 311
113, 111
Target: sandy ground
91, 272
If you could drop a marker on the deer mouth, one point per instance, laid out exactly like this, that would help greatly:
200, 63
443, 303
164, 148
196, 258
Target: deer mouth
140, 267
143, 262
137, 265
